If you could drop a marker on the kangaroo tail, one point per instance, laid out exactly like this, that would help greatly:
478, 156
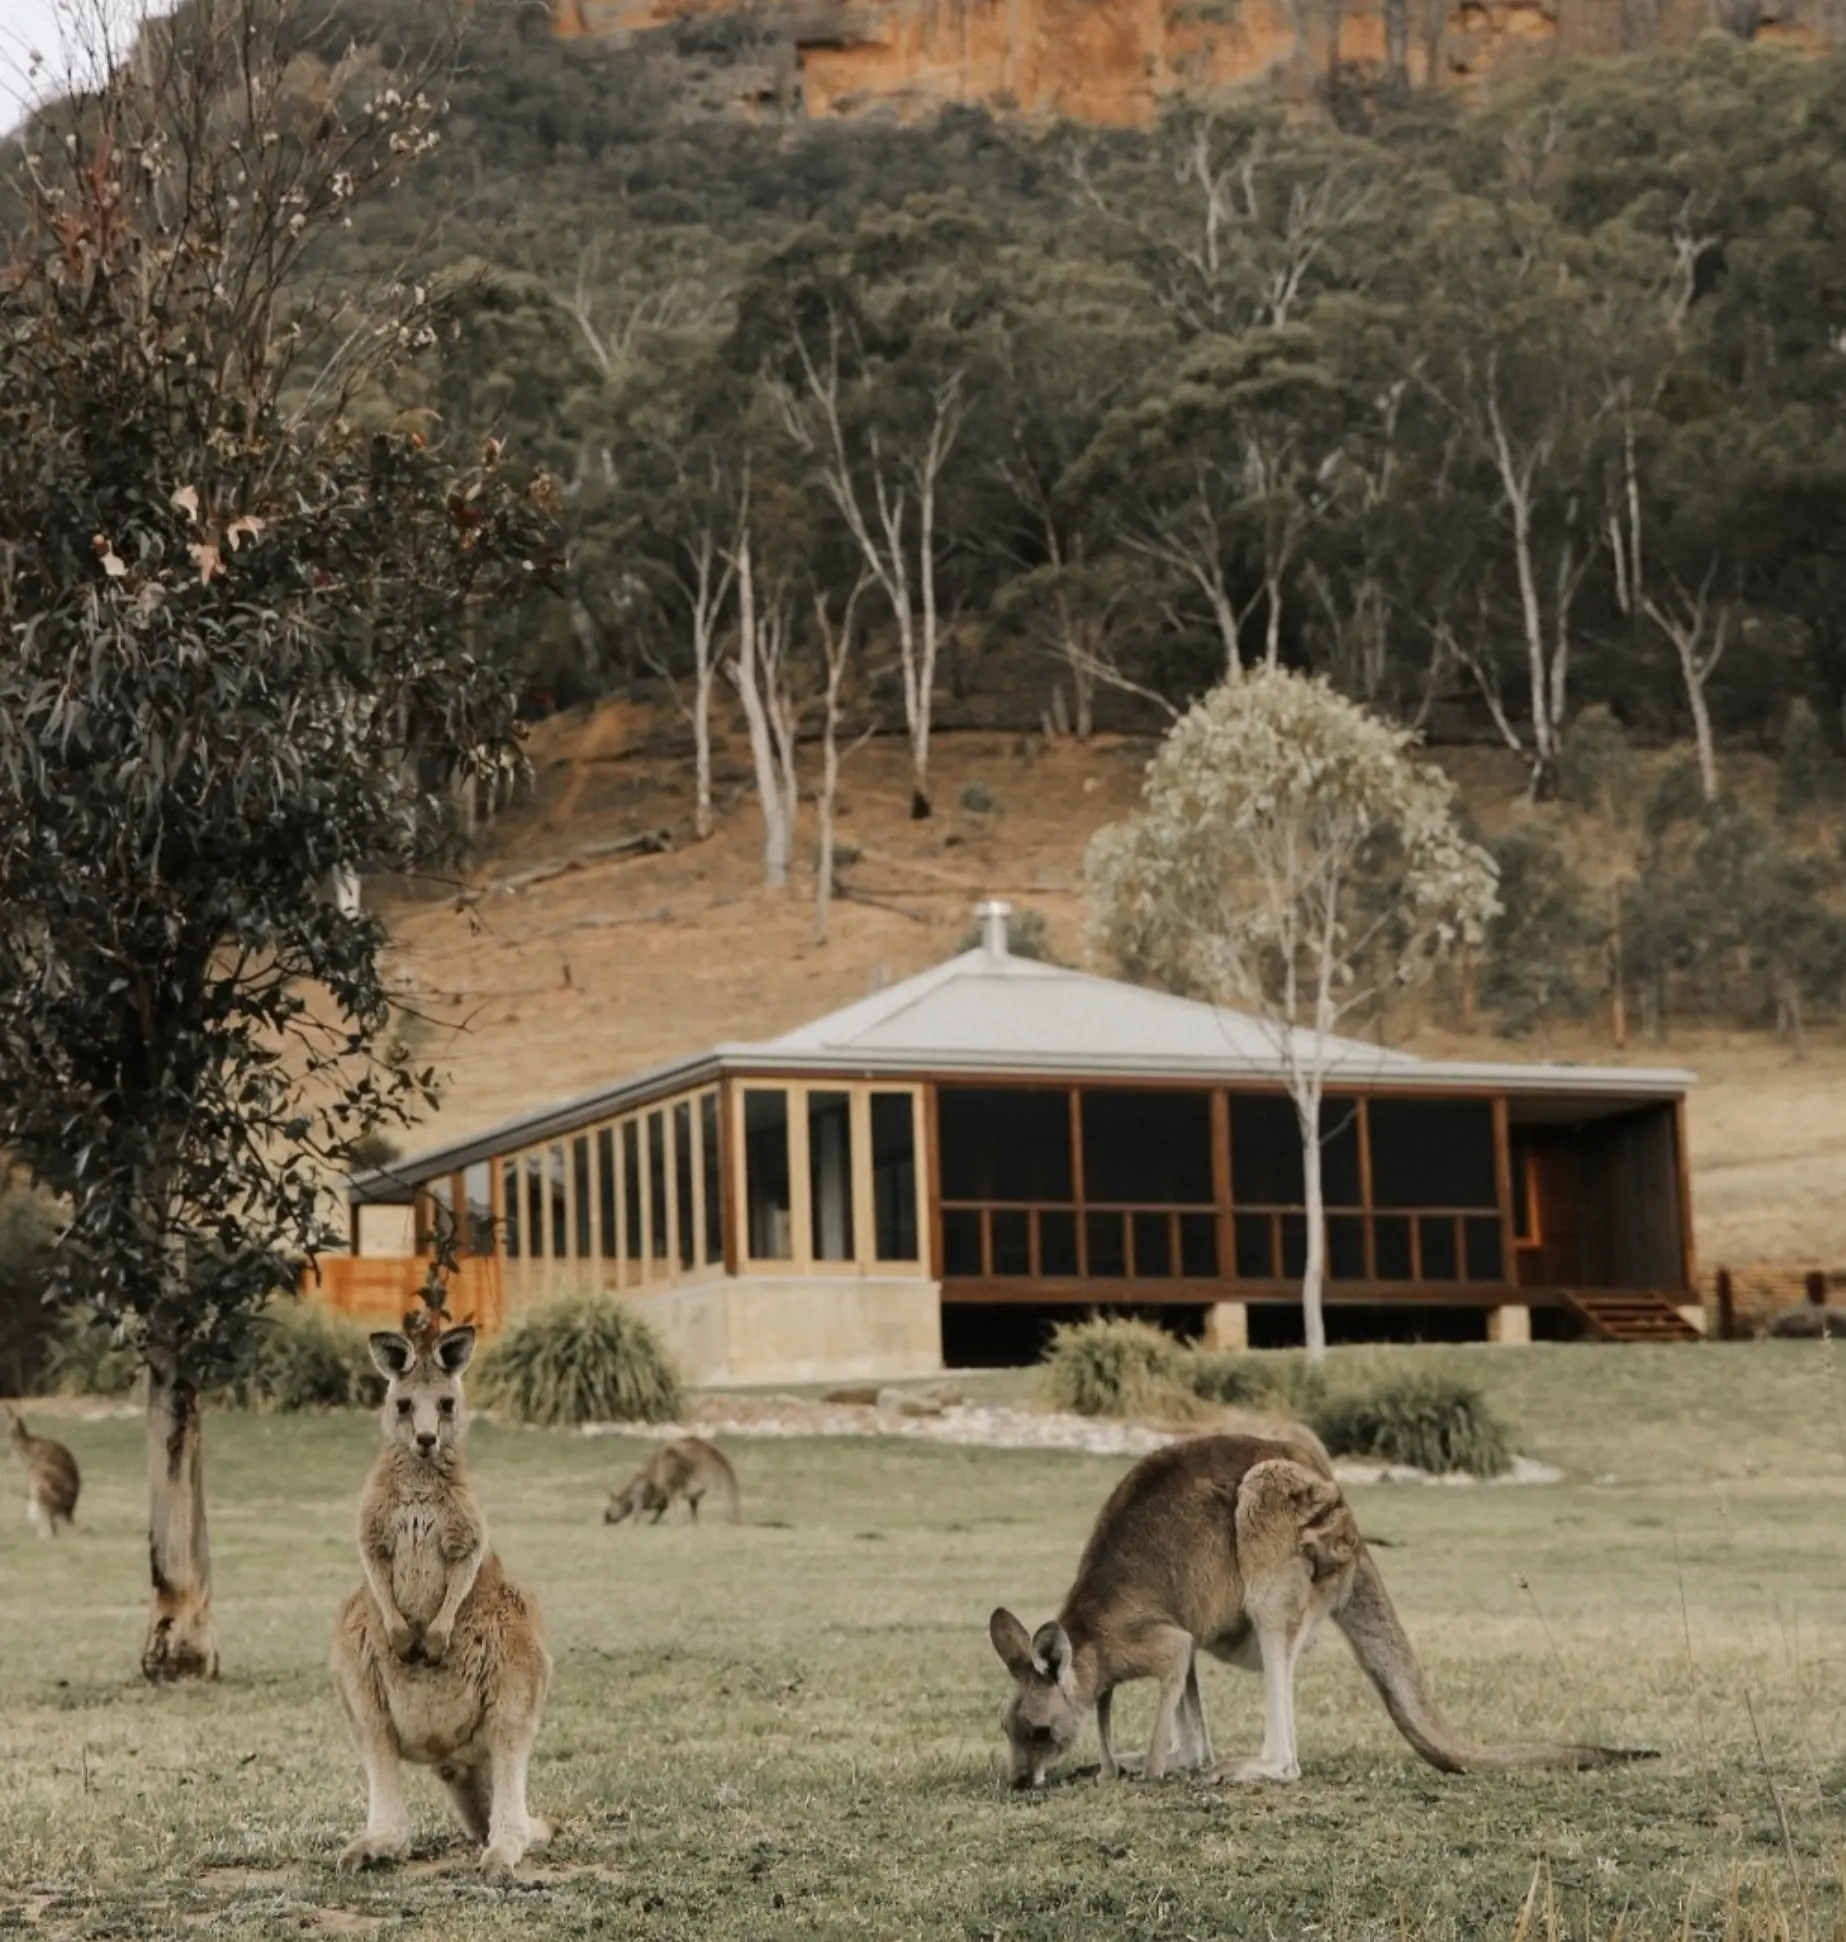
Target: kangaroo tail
727, 1485
1384, 1651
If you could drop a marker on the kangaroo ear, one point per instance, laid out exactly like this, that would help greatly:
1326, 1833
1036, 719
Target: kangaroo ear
391, 1353
455, 1348
1051, 1652
1011, 1642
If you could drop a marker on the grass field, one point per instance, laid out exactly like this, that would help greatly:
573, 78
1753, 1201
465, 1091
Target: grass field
792, 1729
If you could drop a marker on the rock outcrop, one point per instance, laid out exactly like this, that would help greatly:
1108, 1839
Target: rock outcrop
1112, 62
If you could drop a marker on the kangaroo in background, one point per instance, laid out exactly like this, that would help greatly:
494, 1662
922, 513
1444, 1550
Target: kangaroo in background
689, 1468
1239, 1547
52, 1477
438, 1658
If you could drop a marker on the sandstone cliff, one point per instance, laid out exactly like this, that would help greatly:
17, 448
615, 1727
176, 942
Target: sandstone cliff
1112, 62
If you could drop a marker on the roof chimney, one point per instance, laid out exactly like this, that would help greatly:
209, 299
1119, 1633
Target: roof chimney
991, 918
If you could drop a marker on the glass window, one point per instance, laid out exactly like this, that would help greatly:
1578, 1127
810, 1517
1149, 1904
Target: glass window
961, 1241
1198, 1245
478, 1185
605, 1190
894, 1176
1106, 1242
1147, 1146
1057, 1242
631, 1190
1266, 1152
1436, 1242
1432, 1153
535, 1205
1012, 1240
1346, 1247
1391, 1246
560, 1208
658, 1236
770, 1224
830, 1175
580, 1168
682, 1181
1004, 1143
714, 1179
1153, 1238
509, 1199
1255, 1261
1484, 1258
435, 1216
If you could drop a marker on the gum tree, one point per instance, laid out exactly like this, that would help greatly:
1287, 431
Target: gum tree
236, 672
1294, 858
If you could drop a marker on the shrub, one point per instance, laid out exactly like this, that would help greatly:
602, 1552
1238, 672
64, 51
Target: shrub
1435, 1422
1116, 1367
302, 1357
582, 1359
28, 1225
1282, 1384
83, 1358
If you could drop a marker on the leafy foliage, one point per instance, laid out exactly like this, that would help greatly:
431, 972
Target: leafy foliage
83, 1356
1437, 1423
302, 1357
582, 1359
28, 1223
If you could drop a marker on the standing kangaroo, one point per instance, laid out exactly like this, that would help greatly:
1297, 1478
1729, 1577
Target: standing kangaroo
438, 1658
52, 1481
689, 1469
1239, 1547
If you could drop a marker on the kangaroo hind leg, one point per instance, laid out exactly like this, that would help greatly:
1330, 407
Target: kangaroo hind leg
387, 1819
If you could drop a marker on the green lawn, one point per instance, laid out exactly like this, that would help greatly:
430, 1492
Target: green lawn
792, 1729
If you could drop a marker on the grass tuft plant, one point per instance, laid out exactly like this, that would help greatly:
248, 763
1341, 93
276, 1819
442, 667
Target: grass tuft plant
581, 1359
1438, 1423
1113, 1366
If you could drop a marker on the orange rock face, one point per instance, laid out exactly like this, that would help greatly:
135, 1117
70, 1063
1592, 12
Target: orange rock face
1112, 62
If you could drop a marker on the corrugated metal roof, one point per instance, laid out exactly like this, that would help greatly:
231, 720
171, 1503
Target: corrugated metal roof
987, 1012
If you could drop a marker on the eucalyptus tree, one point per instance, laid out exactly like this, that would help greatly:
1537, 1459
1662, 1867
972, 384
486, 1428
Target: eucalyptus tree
1292, 856
871, 348
237, 666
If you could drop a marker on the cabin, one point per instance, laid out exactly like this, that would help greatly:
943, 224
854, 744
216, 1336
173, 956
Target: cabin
935, 1175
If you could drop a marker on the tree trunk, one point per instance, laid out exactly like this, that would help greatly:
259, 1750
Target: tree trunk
1314, 1274
1701, 724
751, 677
701, 749
182, 1642
829, 785
1618, 971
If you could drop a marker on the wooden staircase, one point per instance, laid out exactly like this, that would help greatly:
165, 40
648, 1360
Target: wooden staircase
1630, 1315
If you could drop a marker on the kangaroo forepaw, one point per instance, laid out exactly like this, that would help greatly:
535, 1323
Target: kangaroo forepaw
372, 1851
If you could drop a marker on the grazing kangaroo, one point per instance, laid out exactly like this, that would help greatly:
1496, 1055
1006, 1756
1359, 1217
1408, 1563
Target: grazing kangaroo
689, 1469
52, 1479
438, 1658
1239, 1547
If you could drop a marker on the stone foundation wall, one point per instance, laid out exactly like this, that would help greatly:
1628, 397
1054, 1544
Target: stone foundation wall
800, 1329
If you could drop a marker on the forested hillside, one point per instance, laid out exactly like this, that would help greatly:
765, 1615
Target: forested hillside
1520, 421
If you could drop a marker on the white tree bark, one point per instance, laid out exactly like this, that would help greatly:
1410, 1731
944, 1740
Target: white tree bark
903, 569
836, 646
759, 672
